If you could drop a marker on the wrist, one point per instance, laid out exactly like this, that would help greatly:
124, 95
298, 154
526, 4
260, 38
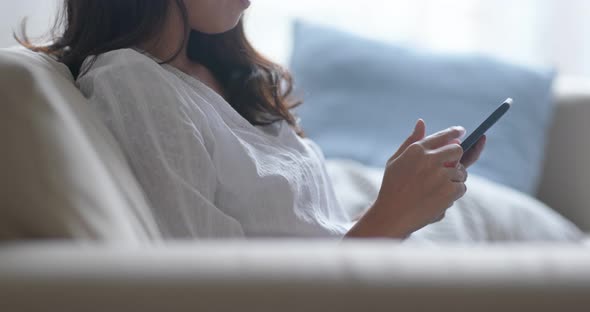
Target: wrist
380, 221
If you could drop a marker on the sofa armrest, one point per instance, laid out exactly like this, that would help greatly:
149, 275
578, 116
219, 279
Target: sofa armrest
294, 276
565, 185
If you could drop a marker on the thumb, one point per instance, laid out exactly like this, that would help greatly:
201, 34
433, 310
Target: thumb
418, 134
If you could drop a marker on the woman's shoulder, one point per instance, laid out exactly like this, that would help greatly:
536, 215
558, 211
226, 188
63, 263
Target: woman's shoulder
127, 73
130, 80
117, 61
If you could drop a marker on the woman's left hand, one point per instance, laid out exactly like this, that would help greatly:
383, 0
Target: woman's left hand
473, 154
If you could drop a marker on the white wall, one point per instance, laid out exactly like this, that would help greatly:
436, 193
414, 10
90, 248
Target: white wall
548, 32
540, 32
39, 12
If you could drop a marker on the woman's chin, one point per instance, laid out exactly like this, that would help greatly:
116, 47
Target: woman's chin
218, 29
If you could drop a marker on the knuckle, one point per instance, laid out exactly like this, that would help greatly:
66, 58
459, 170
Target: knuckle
458, 176
416, 148
462, 173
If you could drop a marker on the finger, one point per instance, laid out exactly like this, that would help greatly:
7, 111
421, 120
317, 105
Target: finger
449, 154
473, 154
417, 135
440, 218
458, 174
459, 190
443, 137
453, 164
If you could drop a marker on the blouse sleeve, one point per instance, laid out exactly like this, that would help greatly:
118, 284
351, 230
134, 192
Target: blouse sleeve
165, 141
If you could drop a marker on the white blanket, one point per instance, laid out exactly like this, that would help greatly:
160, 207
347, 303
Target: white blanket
489, 212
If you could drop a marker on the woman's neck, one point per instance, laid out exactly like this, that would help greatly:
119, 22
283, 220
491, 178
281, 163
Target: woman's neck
166, 44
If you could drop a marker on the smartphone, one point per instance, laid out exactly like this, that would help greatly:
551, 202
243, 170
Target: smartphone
468, 143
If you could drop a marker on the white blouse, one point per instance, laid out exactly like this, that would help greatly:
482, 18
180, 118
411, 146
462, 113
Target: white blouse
207, 172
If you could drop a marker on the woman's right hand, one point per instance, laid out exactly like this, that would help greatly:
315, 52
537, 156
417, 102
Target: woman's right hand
422, 180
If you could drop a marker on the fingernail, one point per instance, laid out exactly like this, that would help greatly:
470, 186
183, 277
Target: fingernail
416, 126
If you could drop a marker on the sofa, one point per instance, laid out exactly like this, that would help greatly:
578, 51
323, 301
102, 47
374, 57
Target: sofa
76, 233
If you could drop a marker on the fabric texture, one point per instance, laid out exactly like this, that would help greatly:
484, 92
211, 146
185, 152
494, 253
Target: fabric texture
362, 99
488, 213
63, 175
208, 173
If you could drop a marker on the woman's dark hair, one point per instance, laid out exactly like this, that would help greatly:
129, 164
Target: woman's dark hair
257, 88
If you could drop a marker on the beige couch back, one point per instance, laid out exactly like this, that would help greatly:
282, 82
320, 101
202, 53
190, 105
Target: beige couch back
565, 184
63, 175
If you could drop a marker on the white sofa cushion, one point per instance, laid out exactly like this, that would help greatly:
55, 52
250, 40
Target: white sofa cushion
488, 213
63, 175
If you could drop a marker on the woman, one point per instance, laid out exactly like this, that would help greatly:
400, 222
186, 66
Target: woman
205, 123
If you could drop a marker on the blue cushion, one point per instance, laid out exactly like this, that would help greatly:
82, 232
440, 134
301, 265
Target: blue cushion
362, 99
